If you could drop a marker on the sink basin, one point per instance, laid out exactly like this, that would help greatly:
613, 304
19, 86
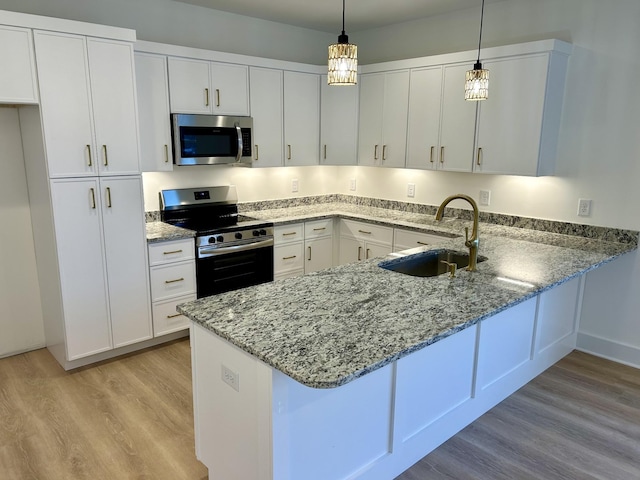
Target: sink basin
428, 264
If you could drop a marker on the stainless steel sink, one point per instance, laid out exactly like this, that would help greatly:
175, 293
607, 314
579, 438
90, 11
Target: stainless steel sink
428, 264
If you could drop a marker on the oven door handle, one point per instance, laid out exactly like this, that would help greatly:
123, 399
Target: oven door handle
240, 143
213, 252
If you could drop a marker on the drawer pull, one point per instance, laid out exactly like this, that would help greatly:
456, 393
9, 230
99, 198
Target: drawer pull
319, 229
289, 258
359, 253
175, 315
172, 252
174, 281
368, 250
309, 254
289, 233
365, 232
422, 243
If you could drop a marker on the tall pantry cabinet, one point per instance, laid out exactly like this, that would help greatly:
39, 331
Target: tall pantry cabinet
86, 195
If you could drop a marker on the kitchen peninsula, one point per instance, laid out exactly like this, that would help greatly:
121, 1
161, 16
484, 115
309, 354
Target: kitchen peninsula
358, 372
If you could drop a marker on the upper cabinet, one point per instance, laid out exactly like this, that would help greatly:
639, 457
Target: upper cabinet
301, 118
153, 112
338, 124
518, 125
88, 104
267, 113
197, 86
384, 103
18, 83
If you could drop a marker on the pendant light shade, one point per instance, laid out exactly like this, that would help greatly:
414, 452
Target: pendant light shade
476, 85
343, 60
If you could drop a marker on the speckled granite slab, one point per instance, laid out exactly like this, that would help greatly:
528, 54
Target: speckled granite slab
162, 232
328, 328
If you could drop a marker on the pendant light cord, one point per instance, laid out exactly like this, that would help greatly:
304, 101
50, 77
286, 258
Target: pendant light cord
343, 16
479, 40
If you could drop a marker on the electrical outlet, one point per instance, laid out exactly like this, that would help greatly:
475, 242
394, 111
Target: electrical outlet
584, 207
294, 185
485, 197
411, 190
352, 184
231, 378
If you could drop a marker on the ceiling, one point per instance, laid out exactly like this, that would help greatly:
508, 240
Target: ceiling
326, 15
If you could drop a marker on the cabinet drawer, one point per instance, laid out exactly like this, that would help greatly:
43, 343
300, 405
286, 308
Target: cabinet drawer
288, 257
171, 251
173, 280
166, 319
318, 228
366, 231
288, 233
404, 239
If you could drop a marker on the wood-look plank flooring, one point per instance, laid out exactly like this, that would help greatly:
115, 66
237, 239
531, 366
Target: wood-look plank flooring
131, 418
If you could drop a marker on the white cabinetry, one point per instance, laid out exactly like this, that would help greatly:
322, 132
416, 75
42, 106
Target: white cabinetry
384, 102
338, 124
173, 281
198, 86
267, 113
318, 245
18, 82
301, 118
288, 255
361, 241
153, 111
405, 239
101, 245
88, 105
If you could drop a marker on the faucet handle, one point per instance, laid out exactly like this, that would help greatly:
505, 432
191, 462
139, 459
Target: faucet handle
451, 268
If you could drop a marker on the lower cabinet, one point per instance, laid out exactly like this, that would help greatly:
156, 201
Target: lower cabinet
101, 251
361, 241
173, 281
303, 248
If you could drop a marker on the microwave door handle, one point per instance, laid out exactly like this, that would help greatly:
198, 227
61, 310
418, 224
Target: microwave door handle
240, 144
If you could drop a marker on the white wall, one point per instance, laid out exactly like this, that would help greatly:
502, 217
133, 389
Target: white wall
21, 326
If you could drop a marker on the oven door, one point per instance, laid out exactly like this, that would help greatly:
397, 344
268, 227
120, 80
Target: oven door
221, 270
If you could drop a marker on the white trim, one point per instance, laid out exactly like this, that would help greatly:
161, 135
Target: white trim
610, 349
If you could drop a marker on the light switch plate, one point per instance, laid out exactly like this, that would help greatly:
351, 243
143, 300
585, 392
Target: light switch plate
352, 184
485, 197
411, 190
294, 185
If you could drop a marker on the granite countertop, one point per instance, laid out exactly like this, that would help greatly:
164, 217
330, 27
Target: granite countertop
163, 232
328, 328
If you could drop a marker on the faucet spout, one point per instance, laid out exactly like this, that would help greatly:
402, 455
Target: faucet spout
472, 242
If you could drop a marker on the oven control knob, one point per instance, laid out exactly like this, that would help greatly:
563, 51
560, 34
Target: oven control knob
263, 232
256, 233
212, 239
238, 235
219, 238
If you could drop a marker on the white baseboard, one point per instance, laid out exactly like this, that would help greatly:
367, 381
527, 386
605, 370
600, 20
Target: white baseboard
609, 349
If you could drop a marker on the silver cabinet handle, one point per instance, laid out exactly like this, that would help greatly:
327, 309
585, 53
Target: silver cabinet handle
384, 152
288, 152
256, 152
441, 154
108, 191
166, 153
90, 162
175, 315
172, 252
359, 253
217, 97
289, 258
309, 254
206, 97
431, 154
106, 157
375, 152
174, 281
479, 157
93, 198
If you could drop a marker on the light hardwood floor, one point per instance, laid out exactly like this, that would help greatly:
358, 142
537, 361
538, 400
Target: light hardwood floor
131, 418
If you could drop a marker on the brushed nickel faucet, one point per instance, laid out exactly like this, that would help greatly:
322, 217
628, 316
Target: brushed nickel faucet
473, 242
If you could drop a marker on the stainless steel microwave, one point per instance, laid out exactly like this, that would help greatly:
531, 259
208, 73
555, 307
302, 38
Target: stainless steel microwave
211, 139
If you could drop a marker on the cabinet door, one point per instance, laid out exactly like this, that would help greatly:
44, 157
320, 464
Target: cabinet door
267, 113
510, 122
126, 256
458, 122
372, 250
351, 250
301, 118
153, 112
189, 86
113, 91
65, 102
229, 89
18, 83
77, 219
318, 254
370, 119
394, 119
425, 96
338, 124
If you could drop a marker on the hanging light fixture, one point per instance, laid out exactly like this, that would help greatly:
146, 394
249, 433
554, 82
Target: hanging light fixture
343, 60
476, 85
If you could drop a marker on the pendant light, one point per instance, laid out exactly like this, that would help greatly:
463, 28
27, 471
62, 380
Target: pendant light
476, 85
343, 60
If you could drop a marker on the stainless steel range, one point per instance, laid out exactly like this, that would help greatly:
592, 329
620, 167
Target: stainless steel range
232, 251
